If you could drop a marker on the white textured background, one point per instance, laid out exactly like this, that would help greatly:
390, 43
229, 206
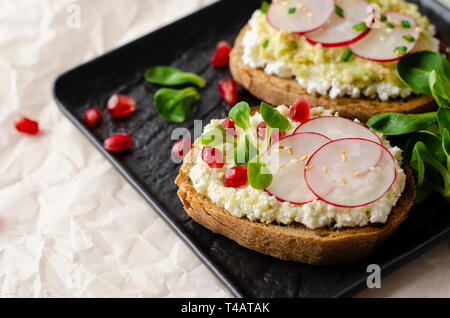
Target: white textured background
69, 224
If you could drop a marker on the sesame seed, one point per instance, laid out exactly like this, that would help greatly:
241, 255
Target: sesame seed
289, 149
309, 167
281, 166
304, 158
325, 169
280, 147
373, 169
357, 174
293, 161
342, 179
344, 158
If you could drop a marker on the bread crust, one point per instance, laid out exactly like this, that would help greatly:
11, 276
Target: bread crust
279, 91
295, 242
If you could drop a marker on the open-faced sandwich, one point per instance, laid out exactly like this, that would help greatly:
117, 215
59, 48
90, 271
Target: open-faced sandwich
339, 54
296, 183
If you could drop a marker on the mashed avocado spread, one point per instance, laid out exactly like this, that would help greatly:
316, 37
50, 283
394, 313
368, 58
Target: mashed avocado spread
321, 70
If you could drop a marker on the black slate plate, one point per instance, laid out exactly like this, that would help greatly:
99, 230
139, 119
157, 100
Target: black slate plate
188, 44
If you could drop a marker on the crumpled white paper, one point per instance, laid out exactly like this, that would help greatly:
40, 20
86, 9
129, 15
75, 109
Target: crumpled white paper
70, 226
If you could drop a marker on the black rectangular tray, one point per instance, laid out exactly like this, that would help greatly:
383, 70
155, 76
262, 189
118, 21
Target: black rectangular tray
188, 44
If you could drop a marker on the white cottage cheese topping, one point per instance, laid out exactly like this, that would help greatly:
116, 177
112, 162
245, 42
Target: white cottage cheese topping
327, 75
260, 206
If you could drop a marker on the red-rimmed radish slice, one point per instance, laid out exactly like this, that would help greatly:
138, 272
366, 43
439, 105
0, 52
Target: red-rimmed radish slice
350, 187
335, 127
387, 44
299, 16
339, 31
286, 159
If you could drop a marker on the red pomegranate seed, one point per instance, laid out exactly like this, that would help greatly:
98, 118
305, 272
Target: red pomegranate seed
92, 116
261, 130
26, 125
213, 157
182, 147
222, 55
235, 177
228, 90
118, 142
299, 111
121, 105
276, 134
229, 127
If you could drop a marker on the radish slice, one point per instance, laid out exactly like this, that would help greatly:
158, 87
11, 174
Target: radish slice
335, 127
349, 187
286, 159
299, 16
339, 31
387, 44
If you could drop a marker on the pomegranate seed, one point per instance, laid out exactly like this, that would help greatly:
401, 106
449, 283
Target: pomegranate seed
213, 157
182, 147
26, 125
276, 133
118, 142
92, 116
229, 127
121, 105
235, 177
222, 55
261, 130
299, 111
228, 90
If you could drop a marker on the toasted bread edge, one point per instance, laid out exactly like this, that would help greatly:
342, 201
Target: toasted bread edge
295, 242
279, 91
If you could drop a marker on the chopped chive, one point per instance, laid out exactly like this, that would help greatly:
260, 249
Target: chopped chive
400, 50
406, 24
339, 11
383, 18
361, 26
409, 38
346, 55
390, 25
265, 44
292, 10
264, 6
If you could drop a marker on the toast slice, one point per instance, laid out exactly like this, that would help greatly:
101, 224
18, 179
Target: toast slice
295, 242
279, 91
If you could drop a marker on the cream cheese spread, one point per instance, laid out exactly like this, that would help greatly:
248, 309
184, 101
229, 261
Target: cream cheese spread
319, 69
257, 205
